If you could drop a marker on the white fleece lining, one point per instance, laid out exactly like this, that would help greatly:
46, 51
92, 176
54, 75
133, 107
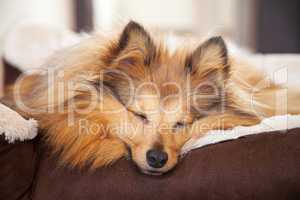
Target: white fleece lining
276, 123
14, 127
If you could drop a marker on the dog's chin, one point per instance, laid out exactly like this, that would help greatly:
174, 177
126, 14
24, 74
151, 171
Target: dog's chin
151, 173
148, 171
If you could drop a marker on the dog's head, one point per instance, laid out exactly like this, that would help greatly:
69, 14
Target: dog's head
164, 94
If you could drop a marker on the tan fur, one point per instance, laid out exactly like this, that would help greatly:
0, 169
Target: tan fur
57, 105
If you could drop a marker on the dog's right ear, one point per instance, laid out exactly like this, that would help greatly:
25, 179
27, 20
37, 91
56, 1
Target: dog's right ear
128, 59
134, 45
134, 35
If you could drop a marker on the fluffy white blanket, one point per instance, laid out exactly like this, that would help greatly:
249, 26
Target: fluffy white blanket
276, 123
14, 127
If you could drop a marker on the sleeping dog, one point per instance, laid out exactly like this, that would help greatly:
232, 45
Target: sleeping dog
133, 95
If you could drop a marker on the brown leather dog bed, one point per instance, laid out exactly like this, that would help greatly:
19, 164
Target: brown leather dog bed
264, 166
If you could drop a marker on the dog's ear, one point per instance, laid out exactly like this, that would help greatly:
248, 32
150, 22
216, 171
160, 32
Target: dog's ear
131, 55
209, 60
208, 69
135, 44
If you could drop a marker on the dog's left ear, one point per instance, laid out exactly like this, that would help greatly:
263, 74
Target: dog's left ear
208, 69
209, 60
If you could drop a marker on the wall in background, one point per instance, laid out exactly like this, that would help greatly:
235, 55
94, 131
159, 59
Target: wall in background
200, 17
58, 12
12, 12
278, 27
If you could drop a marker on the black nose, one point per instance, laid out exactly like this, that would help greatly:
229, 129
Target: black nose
156, 158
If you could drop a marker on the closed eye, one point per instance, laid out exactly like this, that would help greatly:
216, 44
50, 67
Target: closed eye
142, 116
179, 125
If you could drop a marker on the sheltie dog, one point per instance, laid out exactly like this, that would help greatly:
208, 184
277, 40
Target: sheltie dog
131, 95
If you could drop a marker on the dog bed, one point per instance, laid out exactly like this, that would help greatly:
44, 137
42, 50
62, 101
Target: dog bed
13, 127
262, 166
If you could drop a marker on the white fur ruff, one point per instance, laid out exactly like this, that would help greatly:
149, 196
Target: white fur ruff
276, 123
14, 127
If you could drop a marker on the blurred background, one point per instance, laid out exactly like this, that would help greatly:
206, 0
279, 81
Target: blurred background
267, 26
